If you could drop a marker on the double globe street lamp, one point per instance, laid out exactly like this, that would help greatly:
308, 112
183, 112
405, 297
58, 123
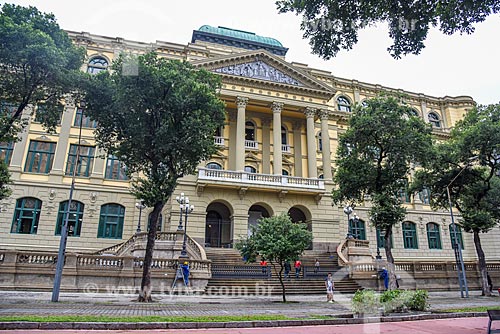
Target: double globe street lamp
186, 209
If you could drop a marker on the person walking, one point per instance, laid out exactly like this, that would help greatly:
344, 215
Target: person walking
298, 267
330, 286
263, 265
316, 266
288, 268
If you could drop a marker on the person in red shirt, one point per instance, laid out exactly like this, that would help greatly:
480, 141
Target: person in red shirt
298, 267
263, 265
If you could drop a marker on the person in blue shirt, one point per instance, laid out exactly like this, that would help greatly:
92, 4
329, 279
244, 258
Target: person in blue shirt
384, 274
185, 272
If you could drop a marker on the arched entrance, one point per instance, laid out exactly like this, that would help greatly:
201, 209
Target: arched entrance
218, 227
255, 213
298, 216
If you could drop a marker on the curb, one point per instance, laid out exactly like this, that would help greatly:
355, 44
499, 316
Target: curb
232, 324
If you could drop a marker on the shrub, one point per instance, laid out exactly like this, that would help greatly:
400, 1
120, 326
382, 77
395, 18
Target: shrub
370, 302
365, 301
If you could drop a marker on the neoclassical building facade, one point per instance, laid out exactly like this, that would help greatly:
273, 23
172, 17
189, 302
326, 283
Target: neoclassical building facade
277, 153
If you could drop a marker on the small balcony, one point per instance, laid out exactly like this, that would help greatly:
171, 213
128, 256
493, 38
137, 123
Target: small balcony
251, 145
219, 141
286, 149
254, 180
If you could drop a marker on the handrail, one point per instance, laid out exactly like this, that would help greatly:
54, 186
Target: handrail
343, 261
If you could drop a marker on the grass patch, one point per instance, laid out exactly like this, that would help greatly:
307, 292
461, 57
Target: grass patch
470, 309
152, 318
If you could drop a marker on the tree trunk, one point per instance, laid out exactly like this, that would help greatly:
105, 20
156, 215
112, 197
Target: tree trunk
280, 276
482, 264
391, 268
145, 293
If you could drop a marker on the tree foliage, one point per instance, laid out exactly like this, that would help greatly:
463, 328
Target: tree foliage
158, 117
334, 25
469, 165
38, 64
278, 240
374, 159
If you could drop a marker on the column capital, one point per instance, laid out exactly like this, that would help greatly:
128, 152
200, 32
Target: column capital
297, 125
324, 114
266, 121
241, 101
277, 107
310, 112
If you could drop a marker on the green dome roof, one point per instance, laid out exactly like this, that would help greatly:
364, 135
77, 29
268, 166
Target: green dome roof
240, 34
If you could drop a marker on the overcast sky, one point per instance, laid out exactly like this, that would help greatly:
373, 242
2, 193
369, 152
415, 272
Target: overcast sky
449, 65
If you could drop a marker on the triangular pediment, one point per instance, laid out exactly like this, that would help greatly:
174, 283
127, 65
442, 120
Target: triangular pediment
265, 68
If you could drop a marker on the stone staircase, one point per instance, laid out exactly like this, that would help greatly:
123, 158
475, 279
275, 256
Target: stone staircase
307, 283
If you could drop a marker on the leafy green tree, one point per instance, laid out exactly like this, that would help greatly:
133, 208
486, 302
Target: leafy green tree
469, 165
278, 240
334, 25
38, 64
374, 158
157, 116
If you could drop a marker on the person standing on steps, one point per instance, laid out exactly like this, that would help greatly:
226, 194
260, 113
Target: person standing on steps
298, 267
288, 268
316, 266
330, 286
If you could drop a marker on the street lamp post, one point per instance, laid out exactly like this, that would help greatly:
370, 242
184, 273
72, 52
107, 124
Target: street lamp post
64, 228
457, 247
348, 210
139, 205
187, 209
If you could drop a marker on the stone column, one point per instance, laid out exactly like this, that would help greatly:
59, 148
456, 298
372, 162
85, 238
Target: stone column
241, 102
297, 147
277, 154
266, 145
312, 168
325, 139
19, 149
63, 144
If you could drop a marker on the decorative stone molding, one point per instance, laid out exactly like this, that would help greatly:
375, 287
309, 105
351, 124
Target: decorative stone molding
310, 112
324, 114
276, 107
241, 102
242, 191
282, 194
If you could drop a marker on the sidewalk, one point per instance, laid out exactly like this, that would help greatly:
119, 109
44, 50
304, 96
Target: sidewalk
301, 307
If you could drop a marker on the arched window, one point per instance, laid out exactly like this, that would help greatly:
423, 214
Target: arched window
97, 64
414, 112
433, 236
343, 104
249, 131
320, 141
321, 176
357, 228
410, 235
434, 119
284, 172
111, 221
250, 169
75, 218
26, 215
159, 223
214, 165
459, 236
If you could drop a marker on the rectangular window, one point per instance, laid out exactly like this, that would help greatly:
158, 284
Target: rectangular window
83, 119
85, 160
43, 114
40, 157
115, 169
6, 152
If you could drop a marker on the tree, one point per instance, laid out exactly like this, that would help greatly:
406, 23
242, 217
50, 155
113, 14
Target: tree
38, 65
278, 240
374, 158
469, 164
334, 25
158, 117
